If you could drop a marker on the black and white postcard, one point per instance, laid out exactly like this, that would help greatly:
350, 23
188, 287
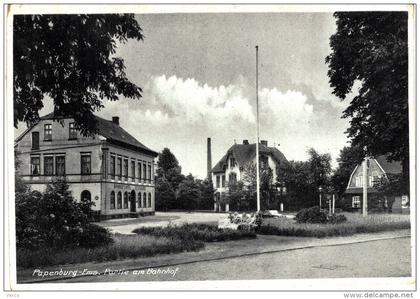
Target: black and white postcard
205, 147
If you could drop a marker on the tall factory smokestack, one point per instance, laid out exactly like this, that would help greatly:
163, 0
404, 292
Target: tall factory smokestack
209, 158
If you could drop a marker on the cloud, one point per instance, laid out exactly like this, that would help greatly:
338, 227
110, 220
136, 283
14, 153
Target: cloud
181, 113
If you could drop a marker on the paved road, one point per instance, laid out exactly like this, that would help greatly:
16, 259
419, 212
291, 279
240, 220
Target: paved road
382, 258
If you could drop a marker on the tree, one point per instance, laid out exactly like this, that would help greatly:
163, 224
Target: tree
188, 193
303, 178
70, 58
320, 168
166, 161
370, 49
239, 197
165, 194
206, 199
296, 176
349, 158
266, 183
389, 187
168, 167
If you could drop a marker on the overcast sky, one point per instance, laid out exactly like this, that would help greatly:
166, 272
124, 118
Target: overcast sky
197, 72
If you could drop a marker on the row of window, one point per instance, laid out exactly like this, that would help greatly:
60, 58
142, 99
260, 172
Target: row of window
355, 201
222, 179
145, 203
48, 133
119, 169
60, 164
374, 178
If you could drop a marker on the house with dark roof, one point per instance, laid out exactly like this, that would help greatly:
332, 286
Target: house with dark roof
111, 168
230, 167
378, 168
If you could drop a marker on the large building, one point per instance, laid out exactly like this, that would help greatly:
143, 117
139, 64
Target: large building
112, 169
378, 168
230, 168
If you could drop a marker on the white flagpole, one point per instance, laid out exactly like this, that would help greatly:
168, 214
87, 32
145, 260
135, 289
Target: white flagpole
258, 136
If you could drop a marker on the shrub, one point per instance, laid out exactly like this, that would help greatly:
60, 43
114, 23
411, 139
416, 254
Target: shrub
312, 215
196, 232
54, 219
94, 235
335, 219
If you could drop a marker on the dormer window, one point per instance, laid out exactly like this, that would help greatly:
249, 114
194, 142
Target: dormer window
72, 131
47, 132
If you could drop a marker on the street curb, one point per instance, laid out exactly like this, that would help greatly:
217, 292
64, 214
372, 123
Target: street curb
224, 257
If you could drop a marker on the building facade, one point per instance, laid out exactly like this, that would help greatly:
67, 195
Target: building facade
378, 168
230, 167
112, 169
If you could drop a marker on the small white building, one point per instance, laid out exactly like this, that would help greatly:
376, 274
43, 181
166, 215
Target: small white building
231, 166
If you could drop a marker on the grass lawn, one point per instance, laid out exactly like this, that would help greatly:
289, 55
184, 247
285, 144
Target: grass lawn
355, 223
196, 233
148, 219
147, 242
124, 246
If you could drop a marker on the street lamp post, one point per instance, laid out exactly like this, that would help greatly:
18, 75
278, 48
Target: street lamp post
320, 197
280, 188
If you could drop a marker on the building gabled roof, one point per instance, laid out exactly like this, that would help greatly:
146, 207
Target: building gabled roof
243, 153
111, 131
394, 167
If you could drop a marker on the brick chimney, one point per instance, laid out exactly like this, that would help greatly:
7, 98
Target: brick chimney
246, 142
209, 158
116, 120
264, 142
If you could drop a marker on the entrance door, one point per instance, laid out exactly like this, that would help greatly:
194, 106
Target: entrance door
85, 196
133, 201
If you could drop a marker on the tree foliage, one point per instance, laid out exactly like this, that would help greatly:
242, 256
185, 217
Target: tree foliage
303, 178
165, 195
206, 199
189, 193
71, 59
175, 191
349, 158
54, 219
370, 50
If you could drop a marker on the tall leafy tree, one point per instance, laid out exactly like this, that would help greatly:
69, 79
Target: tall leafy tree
71, 59
165, 194
189, 193
166, 161
349, 158
266, 183
168, 179
320, 168
303, 178
207, 194
370, 50
168, 167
